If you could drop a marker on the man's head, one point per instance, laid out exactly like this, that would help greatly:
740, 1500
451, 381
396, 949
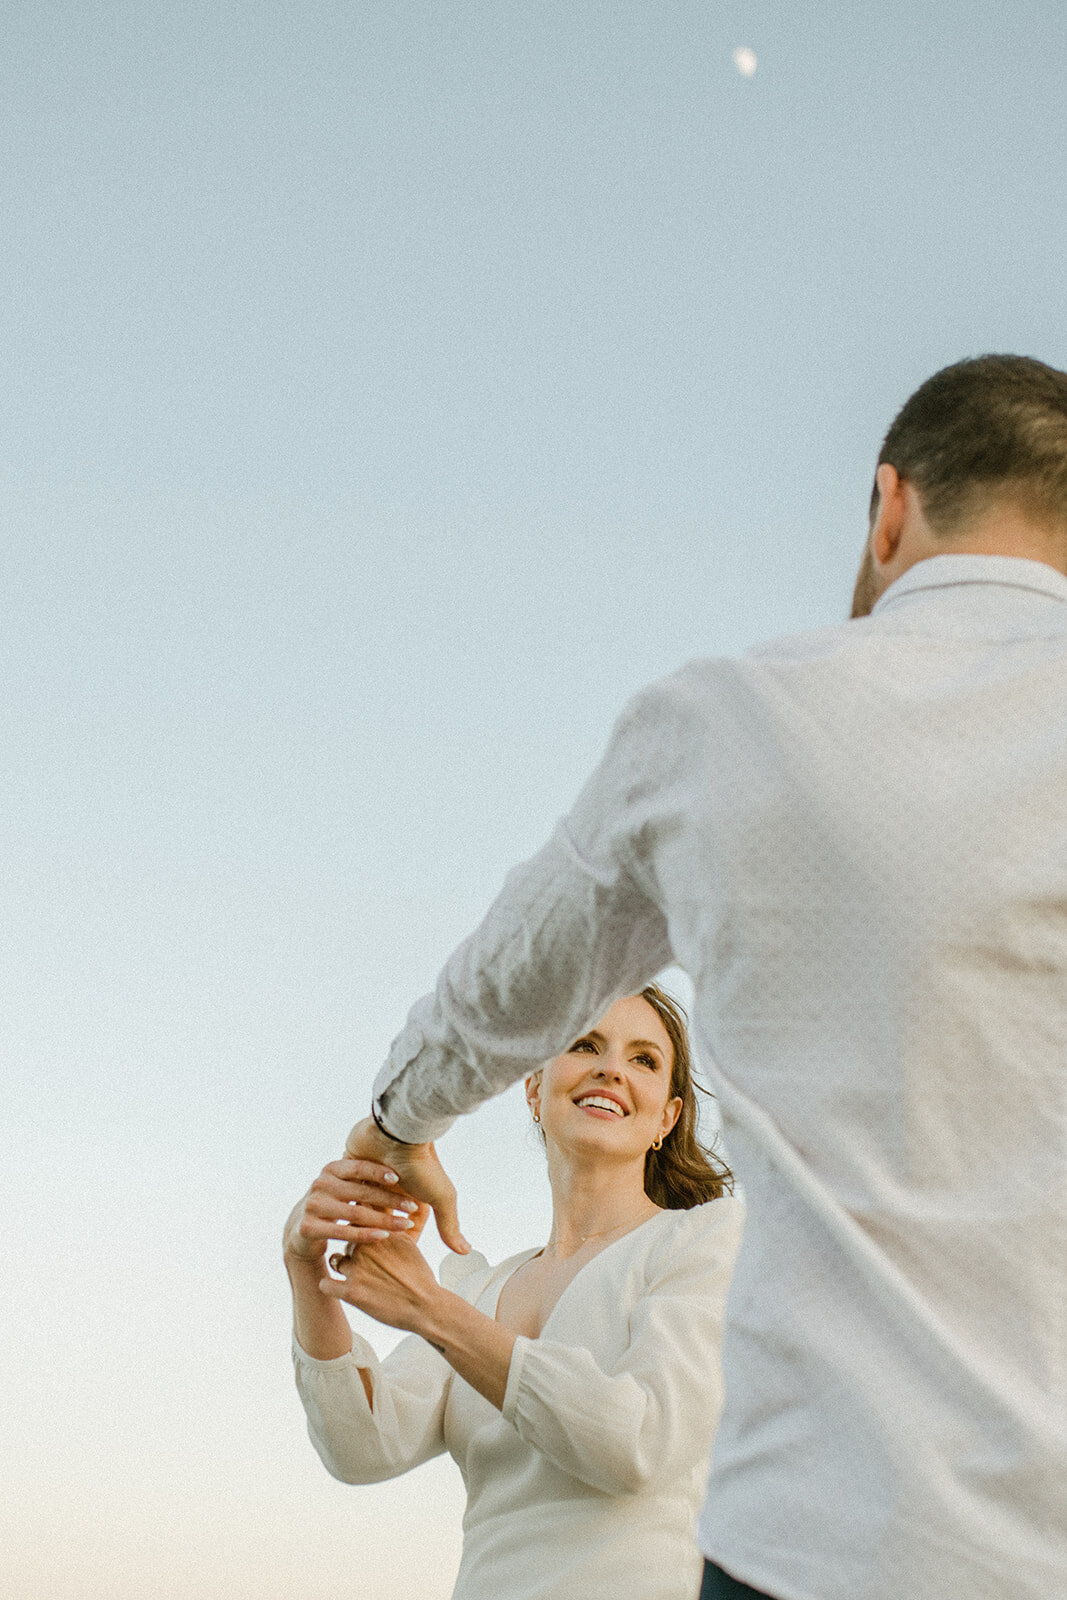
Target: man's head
975, 461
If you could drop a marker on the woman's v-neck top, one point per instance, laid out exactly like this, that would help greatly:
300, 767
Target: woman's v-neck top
589, 1480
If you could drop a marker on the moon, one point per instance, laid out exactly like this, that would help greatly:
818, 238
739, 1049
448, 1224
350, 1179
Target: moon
744, 60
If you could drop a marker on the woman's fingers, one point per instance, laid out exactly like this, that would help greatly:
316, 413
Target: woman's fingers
322, 1203
352, 1222
355, 1201
331, 1190
351, 1169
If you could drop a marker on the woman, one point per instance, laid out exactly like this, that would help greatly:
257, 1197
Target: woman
576, 1385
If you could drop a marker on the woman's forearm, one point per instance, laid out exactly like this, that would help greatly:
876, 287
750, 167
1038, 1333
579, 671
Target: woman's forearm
475, 1346
320, 1325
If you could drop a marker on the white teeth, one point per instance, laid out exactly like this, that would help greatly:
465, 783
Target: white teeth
599, 1100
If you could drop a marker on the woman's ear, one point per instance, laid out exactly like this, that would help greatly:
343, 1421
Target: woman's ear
533, 1095
671, 1112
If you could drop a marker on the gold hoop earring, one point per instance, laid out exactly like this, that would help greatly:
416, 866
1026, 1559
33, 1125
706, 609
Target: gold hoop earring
657, 1143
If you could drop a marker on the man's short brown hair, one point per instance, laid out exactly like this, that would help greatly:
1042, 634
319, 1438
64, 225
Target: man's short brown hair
993, 428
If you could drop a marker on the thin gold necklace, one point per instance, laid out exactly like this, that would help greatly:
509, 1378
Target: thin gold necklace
599, 1234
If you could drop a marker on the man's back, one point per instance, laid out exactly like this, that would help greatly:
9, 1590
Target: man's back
855, 842
870, 892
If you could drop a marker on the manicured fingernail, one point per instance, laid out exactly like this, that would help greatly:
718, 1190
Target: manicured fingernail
402, 1221
379, 1233
409, 1205
389, 1177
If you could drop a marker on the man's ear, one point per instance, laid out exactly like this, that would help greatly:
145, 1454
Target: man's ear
888, 524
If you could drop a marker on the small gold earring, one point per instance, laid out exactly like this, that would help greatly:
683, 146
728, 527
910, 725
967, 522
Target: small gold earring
537, 1116
657, 1142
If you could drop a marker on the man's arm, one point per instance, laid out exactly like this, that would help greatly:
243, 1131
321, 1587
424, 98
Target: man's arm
574, 928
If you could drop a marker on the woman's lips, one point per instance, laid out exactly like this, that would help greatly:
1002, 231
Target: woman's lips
583, 1103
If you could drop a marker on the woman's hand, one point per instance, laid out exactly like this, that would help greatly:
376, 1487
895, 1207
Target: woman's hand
391, 1282
354, 1202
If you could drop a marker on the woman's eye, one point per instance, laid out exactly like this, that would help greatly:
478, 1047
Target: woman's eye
583, 1044
647, 1061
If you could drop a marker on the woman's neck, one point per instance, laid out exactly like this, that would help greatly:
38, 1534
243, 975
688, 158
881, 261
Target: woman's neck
592, 1202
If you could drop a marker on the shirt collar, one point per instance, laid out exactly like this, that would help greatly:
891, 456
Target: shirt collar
942, 572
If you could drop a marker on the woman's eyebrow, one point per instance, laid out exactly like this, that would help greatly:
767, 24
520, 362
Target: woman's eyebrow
646, 1044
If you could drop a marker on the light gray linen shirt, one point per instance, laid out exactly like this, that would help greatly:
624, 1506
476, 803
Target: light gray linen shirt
855, 842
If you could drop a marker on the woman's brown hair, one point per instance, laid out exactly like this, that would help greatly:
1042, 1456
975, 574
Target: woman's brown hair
683, 1172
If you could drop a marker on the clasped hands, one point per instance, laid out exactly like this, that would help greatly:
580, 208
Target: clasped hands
376, 1201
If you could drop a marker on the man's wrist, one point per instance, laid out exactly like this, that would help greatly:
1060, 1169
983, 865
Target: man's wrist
384, 1131
368, 1140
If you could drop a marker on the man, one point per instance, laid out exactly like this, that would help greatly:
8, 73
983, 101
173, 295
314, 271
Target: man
855, 842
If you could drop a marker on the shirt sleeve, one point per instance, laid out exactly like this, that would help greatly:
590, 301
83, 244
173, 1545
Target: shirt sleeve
654, 1412
574, 928
359, 1443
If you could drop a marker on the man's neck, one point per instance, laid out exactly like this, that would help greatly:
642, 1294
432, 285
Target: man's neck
1005, 531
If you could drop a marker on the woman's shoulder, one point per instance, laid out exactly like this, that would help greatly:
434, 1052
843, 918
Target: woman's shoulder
710, 1232
469, 1275
454, 1271
728, 1211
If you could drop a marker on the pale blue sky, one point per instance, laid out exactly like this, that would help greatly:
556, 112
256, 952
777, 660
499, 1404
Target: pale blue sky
390, 390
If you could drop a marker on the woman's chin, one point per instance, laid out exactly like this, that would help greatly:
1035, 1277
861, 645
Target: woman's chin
596, 1140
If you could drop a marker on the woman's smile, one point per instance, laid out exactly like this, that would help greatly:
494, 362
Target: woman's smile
601, 1104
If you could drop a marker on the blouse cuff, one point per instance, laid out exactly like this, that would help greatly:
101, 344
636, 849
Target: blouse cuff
510, 1404
363, 1354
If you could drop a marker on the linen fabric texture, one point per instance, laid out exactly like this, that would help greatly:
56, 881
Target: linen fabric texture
589, 1481
854, 841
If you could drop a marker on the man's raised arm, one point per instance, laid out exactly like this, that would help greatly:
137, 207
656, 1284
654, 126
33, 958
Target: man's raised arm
573, 929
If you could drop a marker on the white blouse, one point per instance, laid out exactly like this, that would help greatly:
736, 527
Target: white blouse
588, 1482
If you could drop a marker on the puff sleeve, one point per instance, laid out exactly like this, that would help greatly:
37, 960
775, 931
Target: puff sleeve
653, 1413
358, 1443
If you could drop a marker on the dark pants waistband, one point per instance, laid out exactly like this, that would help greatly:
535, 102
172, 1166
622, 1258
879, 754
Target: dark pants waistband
718, 1585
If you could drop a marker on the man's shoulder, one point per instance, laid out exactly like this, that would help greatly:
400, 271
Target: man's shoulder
811, 645
707, 675
671, 717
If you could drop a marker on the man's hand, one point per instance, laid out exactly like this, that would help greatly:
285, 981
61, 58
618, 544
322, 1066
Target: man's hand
421, 1175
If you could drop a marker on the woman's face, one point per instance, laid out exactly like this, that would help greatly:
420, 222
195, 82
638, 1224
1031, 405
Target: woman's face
609, 1094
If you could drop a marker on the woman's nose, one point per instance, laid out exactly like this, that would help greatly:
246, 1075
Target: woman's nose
607, 1068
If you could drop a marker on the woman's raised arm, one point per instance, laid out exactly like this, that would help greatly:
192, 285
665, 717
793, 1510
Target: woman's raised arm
368, 1419
354, 1202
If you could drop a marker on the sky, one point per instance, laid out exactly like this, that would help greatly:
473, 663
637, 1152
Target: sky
391, 390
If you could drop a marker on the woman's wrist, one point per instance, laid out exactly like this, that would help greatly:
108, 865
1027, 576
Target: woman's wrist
447, 1320
431, 1315
476, 1346
319, 1323
309, 1268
